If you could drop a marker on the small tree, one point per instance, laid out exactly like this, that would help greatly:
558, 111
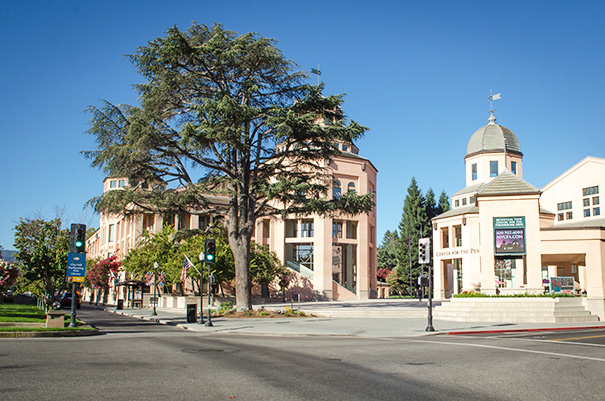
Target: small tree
265, 266
396, 283
387, 254
42, 249
100, 273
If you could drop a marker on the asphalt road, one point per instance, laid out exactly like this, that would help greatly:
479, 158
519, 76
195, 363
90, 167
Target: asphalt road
139, 360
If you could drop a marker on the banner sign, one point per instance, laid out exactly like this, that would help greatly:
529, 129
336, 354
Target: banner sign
76, 266
562, 285
509, 235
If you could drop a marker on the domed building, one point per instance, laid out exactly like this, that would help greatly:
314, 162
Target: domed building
505, 236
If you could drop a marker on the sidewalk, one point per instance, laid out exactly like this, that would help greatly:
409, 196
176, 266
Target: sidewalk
406, 318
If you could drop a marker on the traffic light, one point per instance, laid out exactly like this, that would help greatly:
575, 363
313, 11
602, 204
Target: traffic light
424, 251
77, 238
210, 250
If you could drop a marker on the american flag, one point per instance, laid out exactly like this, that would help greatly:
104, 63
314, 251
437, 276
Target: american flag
186, 266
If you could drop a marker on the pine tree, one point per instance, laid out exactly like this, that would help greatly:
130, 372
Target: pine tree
431, 204
444, 203
386, 255
413, 226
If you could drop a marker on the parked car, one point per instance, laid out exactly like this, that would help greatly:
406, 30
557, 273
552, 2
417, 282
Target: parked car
66, 300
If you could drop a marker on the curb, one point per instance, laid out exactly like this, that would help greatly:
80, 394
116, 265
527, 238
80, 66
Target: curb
32, 334
458, 333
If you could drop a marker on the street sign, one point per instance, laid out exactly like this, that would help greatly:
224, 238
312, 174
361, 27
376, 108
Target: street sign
76, 266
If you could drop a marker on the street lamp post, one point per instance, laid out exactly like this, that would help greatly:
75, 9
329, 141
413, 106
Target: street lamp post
201, 321
155, 285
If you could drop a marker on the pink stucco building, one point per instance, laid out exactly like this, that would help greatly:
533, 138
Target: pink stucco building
330, 258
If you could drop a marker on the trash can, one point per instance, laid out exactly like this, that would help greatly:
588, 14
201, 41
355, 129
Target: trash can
120, 304
191, 313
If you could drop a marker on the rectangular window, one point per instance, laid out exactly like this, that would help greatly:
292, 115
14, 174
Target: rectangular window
564, 205
493, 168
590, 191
474, 170
464, 202
203, 221
560, 217
586, 212
586, 202
337, 229
596, 211
457, 202
112, 233
291, 228
344, 148
471, 200
148, 220
513, 167
569, 215
595, 200
121, 184
445, 237
303, 254
351, 229
266, 228
307, 228
113, 184
458, 235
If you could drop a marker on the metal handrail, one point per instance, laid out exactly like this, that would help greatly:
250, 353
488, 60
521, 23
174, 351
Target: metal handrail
302, 269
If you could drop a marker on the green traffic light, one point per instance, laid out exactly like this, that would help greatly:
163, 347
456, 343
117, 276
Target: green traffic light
209, 257
79, 244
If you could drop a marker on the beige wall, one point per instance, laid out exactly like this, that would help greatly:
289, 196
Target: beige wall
483, 166
511, 206
568, 186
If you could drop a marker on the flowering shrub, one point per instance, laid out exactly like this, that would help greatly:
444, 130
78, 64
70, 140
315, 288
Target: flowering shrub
8, 275
99, 274
383, 272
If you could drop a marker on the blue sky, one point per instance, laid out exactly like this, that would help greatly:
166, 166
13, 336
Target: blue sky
417, 73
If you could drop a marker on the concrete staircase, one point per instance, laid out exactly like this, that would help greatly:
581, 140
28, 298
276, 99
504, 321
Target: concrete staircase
514, 310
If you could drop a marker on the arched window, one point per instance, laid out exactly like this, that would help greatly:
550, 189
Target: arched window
336, 190
351, 187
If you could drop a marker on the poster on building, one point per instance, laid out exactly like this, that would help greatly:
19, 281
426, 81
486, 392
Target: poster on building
562, 285
509, 235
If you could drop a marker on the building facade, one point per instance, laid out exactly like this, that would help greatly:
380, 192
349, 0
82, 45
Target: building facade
504, 235
330, 257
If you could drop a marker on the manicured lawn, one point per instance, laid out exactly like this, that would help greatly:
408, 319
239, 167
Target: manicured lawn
17, 313
21, 313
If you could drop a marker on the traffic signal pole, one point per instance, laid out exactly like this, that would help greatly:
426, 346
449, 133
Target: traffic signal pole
424, 257
74, 301
77, 244
210, 258
430, 303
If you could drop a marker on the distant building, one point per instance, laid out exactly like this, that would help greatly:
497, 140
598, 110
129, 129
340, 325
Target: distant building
333, 258
504, 235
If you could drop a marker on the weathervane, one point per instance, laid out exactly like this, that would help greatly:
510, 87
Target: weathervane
491, 98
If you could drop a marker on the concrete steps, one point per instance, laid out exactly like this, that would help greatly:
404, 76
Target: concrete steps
514, 310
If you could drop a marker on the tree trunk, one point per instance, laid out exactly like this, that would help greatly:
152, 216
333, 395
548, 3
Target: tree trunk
243, 289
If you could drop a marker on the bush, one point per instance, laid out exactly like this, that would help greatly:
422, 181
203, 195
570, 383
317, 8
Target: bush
224, 308
475, 294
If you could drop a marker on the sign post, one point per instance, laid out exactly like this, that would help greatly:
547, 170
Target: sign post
76, 269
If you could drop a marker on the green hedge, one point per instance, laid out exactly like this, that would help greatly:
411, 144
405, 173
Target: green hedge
475, 294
